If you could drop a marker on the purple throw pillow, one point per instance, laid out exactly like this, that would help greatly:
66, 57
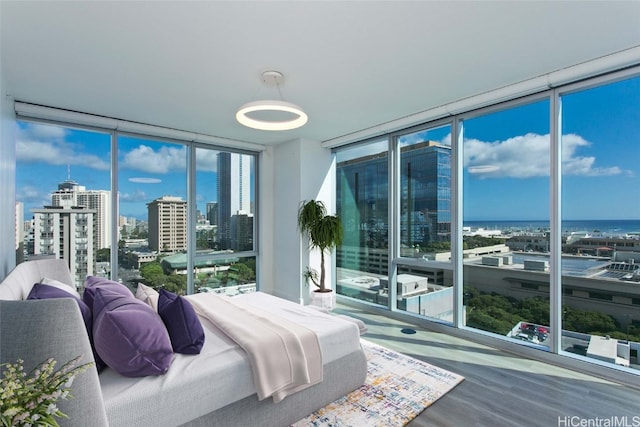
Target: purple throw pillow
92, 283
40, 291
129, 336
181, 320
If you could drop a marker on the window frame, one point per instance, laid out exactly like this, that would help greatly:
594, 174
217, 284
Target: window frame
554, 96
190, 172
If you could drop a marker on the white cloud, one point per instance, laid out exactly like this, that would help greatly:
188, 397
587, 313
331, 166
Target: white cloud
527, 156
143, 180
137, 196
36, 143
166, 159
207, 161
483, 169
31, 195
577, 165
421, 136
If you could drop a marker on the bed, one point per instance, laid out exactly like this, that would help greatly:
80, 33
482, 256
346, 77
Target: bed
213, 388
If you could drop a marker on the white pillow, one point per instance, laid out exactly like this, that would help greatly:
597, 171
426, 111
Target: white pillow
148, 295
60, 285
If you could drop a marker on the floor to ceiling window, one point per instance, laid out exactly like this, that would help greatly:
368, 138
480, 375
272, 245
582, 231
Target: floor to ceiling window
506, 156
225, 222
601, 221
544, 186
143, 230
424, 286
63, 196
152, 196
363, 205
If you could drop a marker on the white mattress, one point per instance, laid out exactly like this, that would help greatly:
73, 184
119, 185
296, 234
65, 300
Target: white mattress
219, 375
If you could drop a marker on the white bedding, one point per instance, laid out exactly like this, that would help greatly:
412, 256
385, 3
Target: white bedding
219, 375
285, 357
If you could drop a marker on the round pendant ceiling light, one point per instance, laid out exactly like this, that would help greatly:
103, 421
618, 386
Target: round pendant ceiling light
295, 116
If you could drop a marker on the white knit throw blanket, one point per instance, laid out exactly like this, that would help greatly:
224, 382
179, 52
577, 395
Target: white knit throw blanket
285, 357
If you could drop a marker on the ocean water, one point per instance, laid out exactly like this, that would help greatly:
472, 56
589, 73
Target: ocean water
604, 227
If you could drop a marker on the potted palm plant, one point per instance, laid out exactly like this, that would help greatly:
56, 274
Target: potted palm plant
324, 233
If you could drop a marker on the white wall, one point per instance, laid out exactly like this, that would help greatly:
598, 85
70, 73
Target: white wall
266, 221
7, 179
302, 171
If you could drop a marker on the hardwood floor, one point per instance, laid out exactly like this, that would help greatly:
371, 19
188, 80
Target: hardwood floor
502, 389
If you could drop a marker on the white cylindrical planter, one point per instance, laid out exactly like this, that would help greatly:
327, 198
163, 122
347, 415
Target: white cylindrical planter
324, 300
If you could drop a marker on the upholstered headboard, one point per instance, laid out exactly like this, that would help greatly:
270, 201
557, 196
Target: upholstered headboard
17, 285
34, 330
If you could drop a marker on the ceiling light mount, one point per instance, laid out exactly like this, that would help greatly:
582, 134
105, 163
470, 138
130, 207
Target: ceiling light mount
272, 78
295, 116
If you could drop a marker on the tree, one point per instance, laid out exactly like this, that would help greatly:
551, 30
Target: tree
243, 273
324, 233
497, 313
103, 255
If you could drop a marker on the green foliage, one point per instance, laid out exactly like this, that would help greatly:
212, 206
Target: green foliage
436, 247
311, 275
589, 322
103, 255
487, 321
206, 239
241, 273
251, 263
472, 242
309, 213
324, 231
497, 313
153, 275
176, 283
152, 271
469, 242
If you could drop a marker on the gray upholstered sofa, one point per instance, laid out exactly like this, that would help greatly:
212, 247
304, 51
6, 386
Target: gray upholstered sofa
34, 330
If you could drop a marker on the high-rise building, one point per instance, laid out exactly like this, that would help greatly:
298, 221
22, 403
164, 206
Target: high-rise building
242, 231
100, 202
167, 224
70, 193
212, 213
234, 187
66, 194
425, 214
66, 233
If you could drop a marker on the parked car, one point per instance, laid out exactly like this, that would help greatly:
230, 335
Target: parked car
530, 329
527, 337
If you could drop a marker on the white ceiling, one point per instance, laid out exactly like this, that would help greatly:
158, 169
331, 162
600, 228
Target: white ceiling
350, 64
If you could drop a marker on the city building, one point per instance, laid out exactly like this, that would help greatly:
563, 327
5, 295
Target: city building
241, 231
212, 213
233, 186
204, 262
425, 214
167, 224
420, 65
603, 245
425, 184
70, 193
66, 232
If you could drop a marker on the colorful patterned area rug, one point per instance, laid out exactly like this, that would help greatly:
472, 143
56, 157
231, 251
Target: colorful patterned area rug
396, 390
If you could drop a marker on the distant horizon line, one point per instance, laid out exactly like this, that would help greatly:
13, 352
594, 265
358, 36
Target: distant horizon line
543, 220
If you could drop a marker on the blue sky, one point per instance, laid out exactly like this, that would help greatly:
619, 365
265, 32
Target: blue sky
148, 169
506, 157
